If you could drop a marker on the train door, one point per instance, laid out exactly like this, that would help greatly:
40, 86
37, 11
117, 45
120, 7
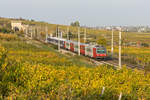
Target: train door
65, 44
88, 51
82, 49
75, 47
68, 45
94, 52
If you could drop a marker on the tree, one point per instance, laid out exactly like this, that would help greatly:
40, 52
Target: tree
70, 35
32, 20
101, 41
6, 30
76, 23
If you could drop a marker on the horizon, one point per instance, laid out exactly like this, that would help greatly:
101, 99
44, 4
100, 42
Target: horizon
74, 21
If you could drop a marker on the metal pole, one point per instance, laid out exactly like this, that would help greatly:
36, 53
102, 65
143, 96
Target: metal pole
58, 40
85, 35
31, 31
26, 32
67, 33
112, 43
103, 91
46, 30
79, 41
61, 34
38, 32
120, 49
56, 31
34, 32
120, 96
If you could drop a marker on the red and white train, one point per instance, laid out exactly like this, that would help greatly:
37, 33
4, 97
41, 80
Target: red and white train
94, 51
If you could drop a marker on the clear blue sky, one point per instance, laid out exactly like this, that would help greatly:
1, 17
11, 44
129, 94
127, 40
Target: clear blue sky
88, 12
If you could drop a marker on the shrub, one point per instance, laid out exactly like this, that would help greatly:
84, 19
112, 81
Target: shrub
8, 37
145, 44
6, 30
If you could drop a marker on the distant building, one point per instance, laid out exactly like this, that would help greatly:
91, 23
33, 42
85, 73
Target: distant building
118, 28
108, 28
141, 30
18, 26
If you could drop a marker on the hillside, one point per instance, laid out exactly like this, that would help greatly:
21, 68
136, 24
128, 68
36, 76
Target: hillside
92, 34
30, 69
135, 46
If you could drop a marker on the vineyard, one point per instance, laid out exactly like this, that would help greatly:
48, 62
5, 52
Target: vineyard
134, 55
31, 70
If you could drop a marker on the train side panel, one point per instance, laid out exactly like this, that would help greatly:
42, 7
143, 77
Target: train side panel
72, 47
82, 49
89, 51
68, 45
65, 44
94, 53
75, 47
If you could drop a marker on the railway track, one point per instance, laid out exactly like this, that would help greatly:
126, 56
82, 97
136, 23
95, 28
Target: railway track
115, 64
111, 62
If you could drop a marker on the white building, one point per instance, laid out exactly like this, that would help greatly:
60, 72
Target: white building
17, 25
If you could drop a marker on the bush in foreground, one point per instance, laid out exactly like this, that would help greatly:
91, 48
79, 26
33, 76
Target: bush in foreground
40, 81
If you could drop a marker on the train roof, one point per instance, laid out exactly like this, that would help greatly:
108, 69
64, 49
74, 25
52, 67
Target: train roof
80, 43
75, 42
61, 39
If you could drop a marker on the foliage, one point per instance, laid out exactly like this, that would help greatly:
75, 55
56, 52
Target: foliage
35, 81
30, 71
135, 55
8, 37
34, 71
101, 41
145, 44
6, 30
76, 23
70, 35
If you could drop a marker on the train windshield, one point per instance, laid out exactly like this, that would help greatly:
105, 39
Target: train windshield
101, 50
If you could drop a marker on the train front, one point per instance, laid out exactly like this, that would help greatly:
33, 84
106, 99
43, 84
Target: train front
101, 52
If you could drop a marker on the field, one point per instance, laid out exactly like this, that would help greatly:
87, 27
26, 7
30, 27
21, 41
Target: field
134, 55
32, 70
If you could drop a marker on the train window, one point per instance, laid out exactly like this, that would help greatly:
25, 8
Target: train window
101, 51
88, 49
67, 43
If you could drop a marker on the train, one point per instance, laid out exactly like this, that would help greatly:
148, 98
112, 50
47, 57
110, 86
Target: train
90, 50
